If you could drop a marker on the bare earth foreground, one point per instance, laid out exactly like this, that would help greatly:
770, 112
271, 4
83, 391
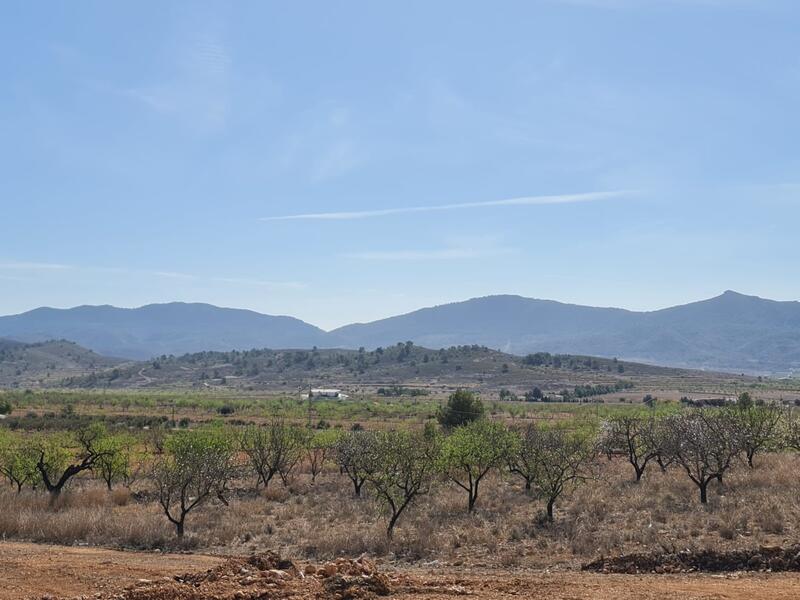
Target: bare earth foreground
36, 571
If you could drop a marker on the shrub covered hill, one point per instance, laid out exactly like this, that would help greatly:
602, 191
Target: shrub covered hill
47, 363
396, 369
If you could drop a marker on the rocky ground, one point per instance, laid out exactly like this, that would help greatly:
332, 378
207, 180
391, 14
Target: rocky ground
771, 559
52, 572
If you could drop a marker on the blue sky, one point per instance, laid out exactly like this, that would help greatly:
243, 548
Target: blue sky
634, 153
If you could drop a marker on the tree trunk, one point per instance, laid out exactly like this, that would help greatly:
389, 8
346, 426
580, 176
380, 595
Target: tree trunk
661, 464
703, 492
550, 504
473, 497
55, 494
179, 529
390, 528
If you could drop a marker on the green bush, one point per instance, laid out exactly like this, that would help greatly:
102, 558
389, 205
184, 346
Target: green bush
462, 407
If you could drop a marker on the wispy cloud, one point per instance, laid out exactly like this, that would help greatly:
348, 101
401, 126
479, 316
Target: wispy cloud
325, 142
456, 248
295, 285
422, 255
32, 266
173, 275
521, 201
341, 157
26, 267
644, 4
292, 285
197, 93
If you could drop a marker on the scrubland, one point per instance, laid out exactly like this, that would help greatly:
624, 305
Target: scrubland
607, 515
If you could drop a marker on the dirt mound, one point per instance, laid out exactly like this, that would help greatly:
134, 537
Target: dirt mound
263, 577
766, 558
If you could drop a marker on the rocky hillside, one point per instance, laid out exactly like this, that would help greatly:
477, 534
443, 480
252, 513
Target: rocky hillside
47, 363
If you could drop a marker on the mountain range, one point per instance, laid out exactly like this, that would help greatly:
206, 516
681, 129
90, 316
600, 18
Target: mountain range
732, 332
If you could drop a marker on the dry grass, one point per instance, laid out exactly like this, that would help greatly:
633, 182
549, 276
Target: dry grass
608, 516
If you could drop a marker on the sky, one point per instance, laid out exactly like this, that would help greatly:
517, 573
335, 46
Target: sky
346, 161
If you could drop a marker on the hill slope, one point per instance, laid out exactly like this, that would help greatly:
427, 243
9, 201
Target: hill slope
156, 329
47, 363
397, 369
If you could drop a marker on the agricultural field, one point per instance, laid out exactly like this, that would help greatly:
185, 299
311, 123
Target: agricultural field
456, 482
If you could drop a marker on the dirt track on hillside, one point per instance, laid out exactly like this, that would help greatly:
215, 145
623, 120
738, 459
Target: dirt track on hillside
36, 571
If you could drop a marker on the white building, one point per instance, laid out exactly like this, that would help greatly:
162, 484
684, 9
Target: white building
326, 393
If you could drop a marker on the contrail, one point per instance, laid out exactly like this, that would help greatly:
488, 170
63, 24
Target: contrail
522, 201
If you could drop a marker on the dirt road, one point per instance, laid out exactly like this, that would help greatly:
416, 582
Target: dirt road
33, 571
589, 586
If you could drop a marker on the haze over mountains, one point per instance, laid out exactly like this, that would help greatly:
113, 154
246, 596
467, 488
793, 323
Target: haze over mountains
156, 329
729, 332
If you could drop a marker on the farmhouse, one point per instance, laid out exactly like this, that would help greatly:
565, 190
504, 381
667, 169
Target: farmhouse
326, 393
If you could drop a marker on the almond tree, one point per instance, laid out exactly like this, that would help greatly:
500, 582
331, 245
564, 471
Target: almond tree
758, 428
60, 458
195, 468
319, 447
703, 443
556, 459
354, 453
634, 435
471, 452
17, 461
116, 460
400, 470
791, 433
520, 459
274, 449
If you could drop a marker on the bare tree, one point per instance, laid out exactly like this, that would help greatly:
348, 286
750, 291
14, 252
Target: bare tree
319, 448
195, 468
354, 452
400, 470
272, 450
154, 439
520, 459
759, 428
557, 460
659, 439
633, 434
704, 443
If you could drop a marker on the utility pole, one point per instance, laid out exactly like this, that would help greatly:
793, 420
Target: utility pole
309, 408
